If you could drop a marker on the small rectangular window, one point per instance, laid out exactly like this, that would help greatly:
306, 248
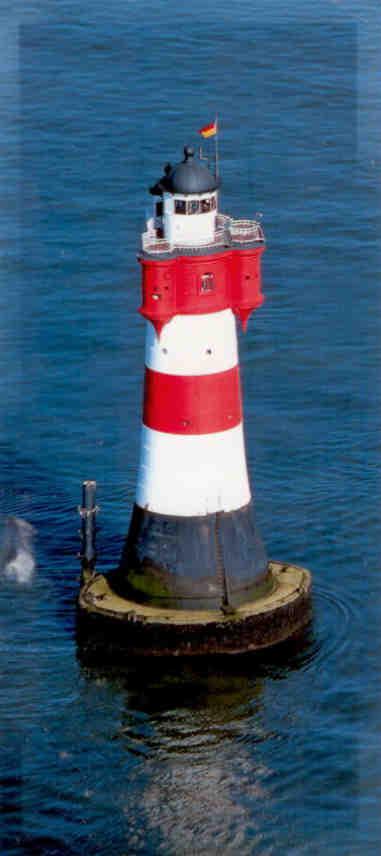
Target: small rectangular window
205, 205
207, 283
180, 206
193, 206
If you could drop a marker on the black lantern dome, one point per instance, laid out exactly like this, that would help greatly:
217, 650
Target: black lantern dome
189, 176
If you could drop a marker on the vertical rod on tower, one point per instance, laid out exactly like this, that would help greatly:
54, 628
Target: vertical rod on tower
87, 513
216, 148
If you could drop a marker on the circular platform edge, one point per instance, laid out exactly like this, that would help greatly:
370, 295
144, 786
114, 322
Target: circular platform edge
150, 630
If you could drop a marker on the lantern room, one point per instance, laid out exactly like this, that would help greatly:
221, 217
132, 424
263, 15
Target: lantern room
185, 214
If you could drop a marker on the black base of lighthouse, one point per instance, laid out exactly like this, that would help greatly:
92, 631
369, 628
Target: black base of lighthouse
106, 619
208, 561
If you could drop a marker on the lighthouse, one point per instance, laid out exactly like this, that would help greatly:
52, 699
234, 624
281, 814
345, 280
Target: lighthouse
193, 539
194, 576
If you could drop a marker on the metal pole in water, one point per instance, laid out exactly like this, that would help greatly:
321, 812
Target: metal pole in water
87, 513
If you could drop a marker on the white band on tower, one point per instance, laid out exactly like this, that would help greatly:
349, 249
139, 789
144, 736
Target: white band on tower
194, 344
191, 475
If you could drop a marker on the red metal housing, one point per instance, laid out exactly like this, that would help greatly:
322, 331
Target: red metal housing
197, 285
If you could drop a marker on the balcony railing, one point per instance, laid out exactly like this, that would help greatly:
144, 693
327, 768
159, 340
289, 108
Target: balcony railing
242, 231
227, 232
152, 244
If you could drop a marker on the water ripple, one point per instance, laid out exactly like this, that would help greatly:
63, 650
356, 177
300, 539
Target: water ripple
337, 621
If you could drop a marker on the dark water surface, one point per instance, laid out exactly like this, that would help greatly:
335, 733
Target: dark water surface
277, 754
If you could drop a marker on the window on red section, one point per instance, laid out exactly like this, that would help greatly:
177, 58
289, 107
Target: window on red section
207, 283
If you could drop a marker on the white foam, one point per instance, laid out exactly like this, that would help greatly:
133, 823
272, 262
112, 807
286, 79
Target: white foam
17, 561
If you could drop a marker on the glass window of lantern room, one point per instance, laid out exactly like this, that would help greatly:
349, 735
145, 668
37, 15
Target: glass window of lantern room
213, 203
205, 205
193, 206
180, 206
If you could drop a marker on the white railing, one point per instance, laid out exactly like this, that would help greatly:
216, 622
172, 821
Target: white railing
245, 231
222, 221
152, 244
228, 231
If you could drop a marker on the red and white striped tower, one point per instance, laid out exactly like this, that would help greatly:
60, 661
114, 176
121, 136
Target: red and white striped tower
193, 577
193, 540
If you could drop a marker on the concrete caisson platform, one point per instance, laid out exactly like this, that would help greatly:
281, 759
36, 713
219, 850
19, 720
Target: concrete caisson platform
150, 630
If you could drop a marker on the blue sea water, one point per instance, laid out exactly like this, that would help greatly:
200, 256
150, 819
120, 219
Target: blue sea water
271, 755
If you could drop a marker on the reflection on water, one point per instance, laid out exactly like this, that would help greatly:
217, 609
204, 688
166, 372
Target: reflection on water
223, 744
199, 724
180, 755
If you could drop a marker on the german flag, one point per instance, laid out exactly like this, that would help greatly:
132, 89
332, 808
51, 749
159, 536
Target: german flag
209, 130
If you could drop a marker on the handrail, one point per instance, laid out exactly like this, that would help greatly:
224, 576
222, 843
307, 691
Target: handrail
227, 231
223, 220
152, 244
246, 230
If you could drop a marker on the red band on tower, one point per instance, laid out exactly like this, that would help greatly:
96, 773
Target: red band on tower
200, 404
